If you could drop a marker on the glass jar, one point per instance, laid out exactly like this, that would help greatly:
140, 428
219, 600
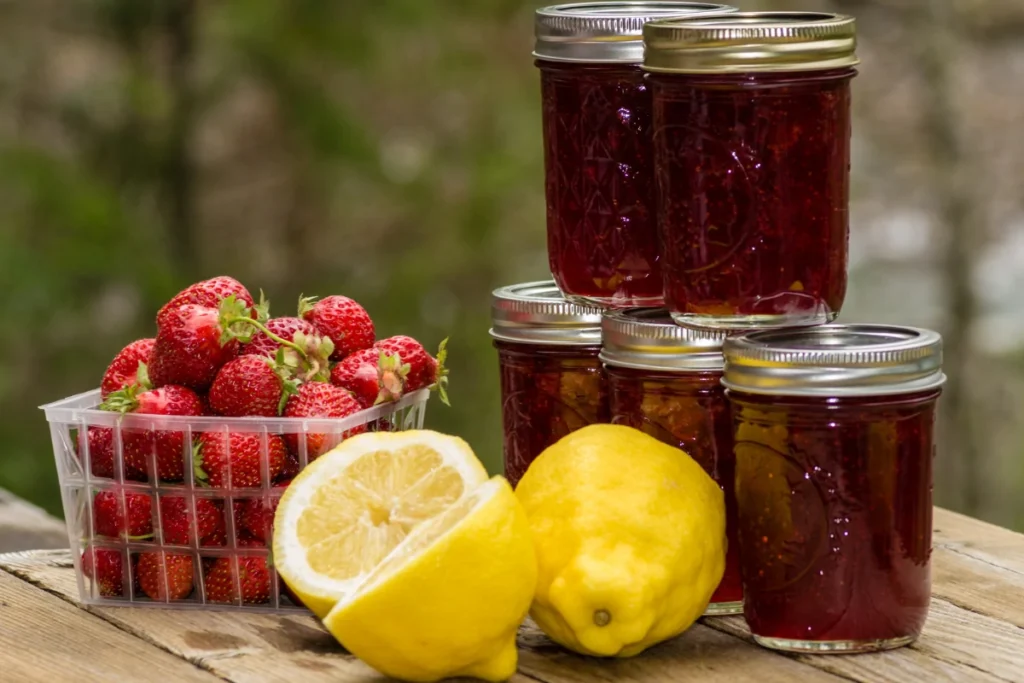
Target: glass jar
665, 380
602, 240
834, 447
751, 121
552, 382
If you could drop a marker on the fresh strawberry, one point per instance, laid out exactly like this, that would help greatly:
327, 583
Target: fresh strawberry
192, 344
250, 385
233, 460
289, 469
286, 328
319, 400
424, 369
208, 293
106, 568
101, 450
139, 444
372, 375
176, 520
257, 515
298, 350
252, 573
124, 369
130, 518
343, 320
155, 566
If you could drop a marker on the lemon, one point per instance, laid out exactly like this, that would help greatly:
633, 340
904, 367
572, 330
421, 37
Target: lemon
449, 600
630, 540
351, 507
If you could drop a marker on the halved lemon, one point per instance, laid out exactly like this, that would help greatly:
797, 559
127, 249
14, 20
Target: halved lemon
350, 508
449, 599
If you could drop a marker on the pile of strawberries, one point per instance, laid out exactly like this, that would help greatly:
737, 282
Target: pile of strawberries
218, 353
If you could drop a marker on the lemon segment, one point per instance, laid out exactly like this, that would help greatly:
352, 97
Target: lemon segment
449, 599
349, 509
630, 540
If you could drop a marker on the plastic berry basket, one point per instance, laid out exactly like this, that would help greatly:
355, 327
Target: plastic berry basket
71, 420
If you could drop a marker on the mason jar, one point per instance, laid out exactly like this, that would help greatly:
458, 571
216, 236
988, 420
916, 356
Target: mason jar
834, 447
552, 382
665, 380
602, 240
751, 130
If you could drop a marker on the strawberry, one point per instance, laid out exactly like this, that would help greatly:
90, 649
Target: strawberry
319, 400
131, 518
286, 328
424, 369
341, 319
123, 370
300, 352
233, 460
176, 521
289, 469
250, 385
372, 376
101, 450
192, 343
257, 515
156, 567
251, 571
139, 444
208, 293
106, 568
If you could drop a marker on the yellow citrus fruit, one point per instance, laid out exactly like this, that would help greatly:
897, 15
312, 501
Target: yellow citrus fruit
630, 540
351, 507
449, 600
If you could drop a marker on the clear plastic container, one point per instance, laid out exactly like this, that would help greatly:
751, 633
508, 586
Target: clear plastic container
88, 445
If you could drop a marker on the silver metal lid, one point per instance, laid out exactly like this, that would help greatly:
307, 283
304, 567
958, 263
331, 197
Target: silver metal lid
648, 339
751, 42
835, 360
538, 313
605, 31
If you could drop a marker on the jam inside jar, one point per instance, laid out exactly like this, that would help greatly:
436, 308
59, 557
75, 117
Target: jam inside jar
752, 176
834, 440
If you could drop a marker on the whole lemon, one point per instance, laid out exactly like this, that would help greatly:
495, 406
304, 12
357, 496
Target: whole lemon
630, 540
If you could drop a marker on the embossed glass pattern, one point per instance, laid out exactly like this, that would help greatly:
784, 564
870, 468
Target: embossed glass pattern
835, 518
752, 177
547, 392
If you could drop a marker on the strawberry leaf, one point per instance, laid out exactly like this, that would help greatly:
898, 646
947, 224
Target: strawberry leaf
306, 304
197, 465
123, 400
142, 376
262, 309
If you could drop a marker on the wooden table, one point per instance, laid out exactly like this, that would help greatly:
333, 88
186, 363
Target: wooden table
975, 632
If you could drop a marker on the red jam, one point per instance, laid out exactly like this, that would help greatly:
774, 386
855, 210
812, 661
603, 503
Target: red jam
752, 174
547, 392
687, 410
835, 516
602, 240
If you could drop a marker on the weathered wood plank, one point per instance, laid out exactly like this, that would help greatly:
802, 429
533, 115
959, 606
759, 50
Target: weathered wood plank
983, 541
24, 526
978, 586
43, 638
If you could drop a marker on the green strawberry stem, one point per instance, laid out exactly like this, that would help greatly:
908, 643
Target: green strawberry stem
263, 328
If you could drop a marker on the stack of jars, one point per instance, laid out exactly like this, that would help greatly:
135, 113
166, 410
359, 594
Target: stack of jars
697, 180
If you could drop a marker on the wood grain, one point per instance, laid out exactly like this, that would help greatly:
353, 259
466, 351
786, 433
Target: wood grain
24, 526
989, 543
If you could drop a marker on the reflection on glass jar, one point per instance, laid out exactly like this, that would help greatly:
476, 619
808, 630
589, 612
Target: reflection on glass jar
752, 161
834, 446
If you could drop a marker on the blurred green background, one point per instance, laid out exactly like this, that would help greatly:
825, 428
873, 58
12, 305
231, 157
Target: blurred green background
390, 150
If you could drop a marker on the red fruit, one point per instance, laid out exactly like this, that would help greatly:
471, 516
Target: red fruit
253, 578
241, 452
168, 445
106, 568
319, 400
286, 328
123, 370
155, 566
424, 369
257, 516
372, 375
289, 469
248, 385
176, 521
130, 518
189, 349
101, 451
343, 320
207, 293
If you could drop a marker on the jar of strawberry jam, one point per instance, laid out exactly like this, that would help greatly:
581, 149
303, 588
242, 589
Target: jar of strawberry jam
834, 448
552, 382
602, 241
665, 380
751, 139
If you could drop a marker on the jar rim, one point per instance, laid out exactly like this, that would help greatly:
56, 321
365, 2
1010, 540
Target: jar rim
648, 339
538, 313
